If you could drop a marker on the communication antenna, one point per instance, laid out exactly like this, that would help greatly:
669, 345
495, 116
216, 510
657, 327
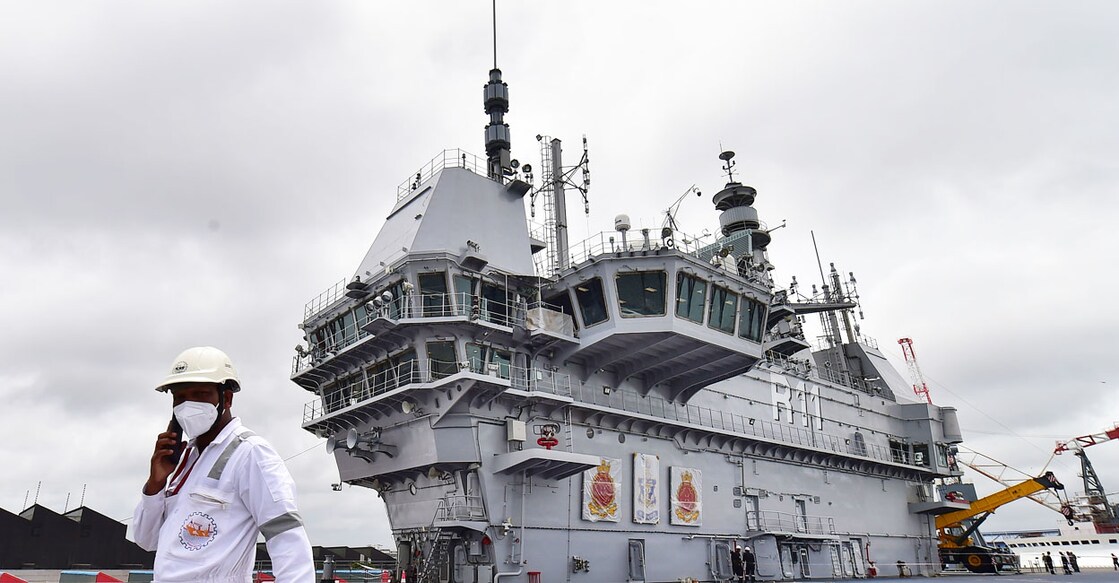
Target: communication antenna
495, 98
669, 227
819, 264
727, 156
556, 179
82, 503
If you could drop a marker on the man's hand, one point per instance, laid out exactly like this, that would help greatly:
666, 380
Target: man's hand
162, 465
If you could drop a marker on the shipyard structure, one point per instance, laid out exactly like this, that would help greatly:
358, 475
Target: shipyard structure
636, 407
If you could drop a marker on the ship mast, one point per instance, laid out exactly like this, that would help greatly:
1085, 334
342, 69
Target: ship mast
496, 101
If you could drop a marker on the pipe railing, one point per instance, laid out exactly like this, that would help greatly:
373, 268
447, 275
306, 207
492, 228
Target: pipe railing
366, 387
453, 158
773, 521
460, 507
730, 422
411, 306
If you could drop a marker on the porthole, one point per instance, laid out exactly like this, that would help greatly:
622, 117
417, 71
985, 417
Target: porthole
590, 433
621, 438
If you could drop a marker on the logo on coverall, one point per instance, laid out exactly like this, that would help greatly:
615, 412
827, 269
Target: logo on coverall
197, 531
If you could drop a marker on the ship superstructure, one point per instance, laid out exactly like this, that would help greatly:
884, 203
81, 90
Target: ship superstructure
631, 408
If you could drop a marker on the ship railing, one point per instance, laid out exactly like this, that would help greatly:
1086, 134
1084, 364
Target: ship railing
324, 299
453, 158
804, 368
448, 305
730, 422
522, 378
365, 386
792, 365
538, 231
773, 521
704, 248
460, 507
342, 332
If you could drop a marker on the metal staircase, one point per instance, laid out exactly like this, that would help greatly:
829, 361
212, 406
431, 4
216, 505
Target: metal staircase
440, 550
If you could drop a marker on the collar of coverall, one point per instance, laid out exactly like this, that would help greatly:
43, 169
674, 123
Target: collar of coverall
223, 435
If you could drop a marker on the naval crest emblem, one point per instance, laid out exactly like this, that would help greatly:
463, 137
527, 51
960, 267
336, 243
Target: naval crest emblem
600, 491
687, 500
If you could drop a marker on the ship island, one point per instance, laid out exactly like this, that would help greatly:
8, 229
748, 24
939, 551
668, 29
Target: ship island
638, 406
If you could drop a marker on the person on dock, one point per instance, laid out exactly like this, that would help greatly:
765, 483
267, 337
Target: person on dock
203, 525
1064, 564
736, 563
1072, 562
1047, 560
749, 564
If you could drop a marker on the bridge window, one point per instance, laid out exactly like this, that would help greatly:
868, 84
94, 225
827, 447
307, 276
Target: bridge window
751, 321
691, 295
441, 358
464, 289
433, 294
858, 445
495, 305
641, 293
921, 454
388, 374
591, 300
562, 303
724, 304
486, 359
899, 452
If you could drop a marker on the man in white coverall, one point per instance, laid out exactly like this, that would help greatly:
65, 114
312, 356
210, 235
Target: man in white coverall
228, 487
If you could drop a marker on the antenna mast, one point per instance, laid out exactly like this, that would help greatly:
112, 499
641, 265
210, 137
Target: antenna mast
496, 100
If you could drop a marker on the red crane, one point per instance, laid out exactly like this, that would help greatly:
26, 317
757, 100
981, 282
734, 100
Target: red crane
919, 386
1099, 508
1084, 441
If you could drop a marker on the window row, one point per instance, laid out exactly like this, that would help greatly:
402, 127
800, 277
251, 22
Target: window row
471, 296
405, 368
644, 293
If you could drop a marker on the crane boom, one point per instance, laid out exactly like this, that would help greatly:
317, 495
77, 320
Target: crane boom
954, 529
919, 387
1084, 441
992, 502
1005, 475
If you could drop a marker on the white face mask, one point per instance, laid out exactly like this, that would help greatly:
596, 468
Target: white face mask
196, 418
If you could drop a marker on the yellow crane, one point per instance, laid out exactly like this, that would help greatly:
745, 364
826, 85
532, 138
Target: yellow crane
955, 528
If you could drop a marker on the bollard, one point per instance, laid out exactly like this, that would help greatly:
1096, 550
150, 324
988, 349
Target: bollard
328, 569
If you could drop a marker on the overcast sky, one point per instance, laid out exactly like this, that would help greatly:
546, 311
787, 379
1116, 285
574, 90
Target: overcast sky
183, 173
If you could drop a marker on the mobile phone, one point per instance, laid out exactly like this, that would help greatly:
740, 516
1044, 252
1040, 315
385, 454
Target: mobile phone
177, 449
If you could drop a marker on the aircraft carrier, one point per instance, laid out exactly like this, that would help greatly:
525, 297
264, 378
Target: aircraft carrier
629, 408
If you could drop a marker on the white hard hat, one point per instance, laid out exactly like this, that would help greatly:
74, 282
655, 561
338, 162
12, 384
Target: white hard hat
202, 364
